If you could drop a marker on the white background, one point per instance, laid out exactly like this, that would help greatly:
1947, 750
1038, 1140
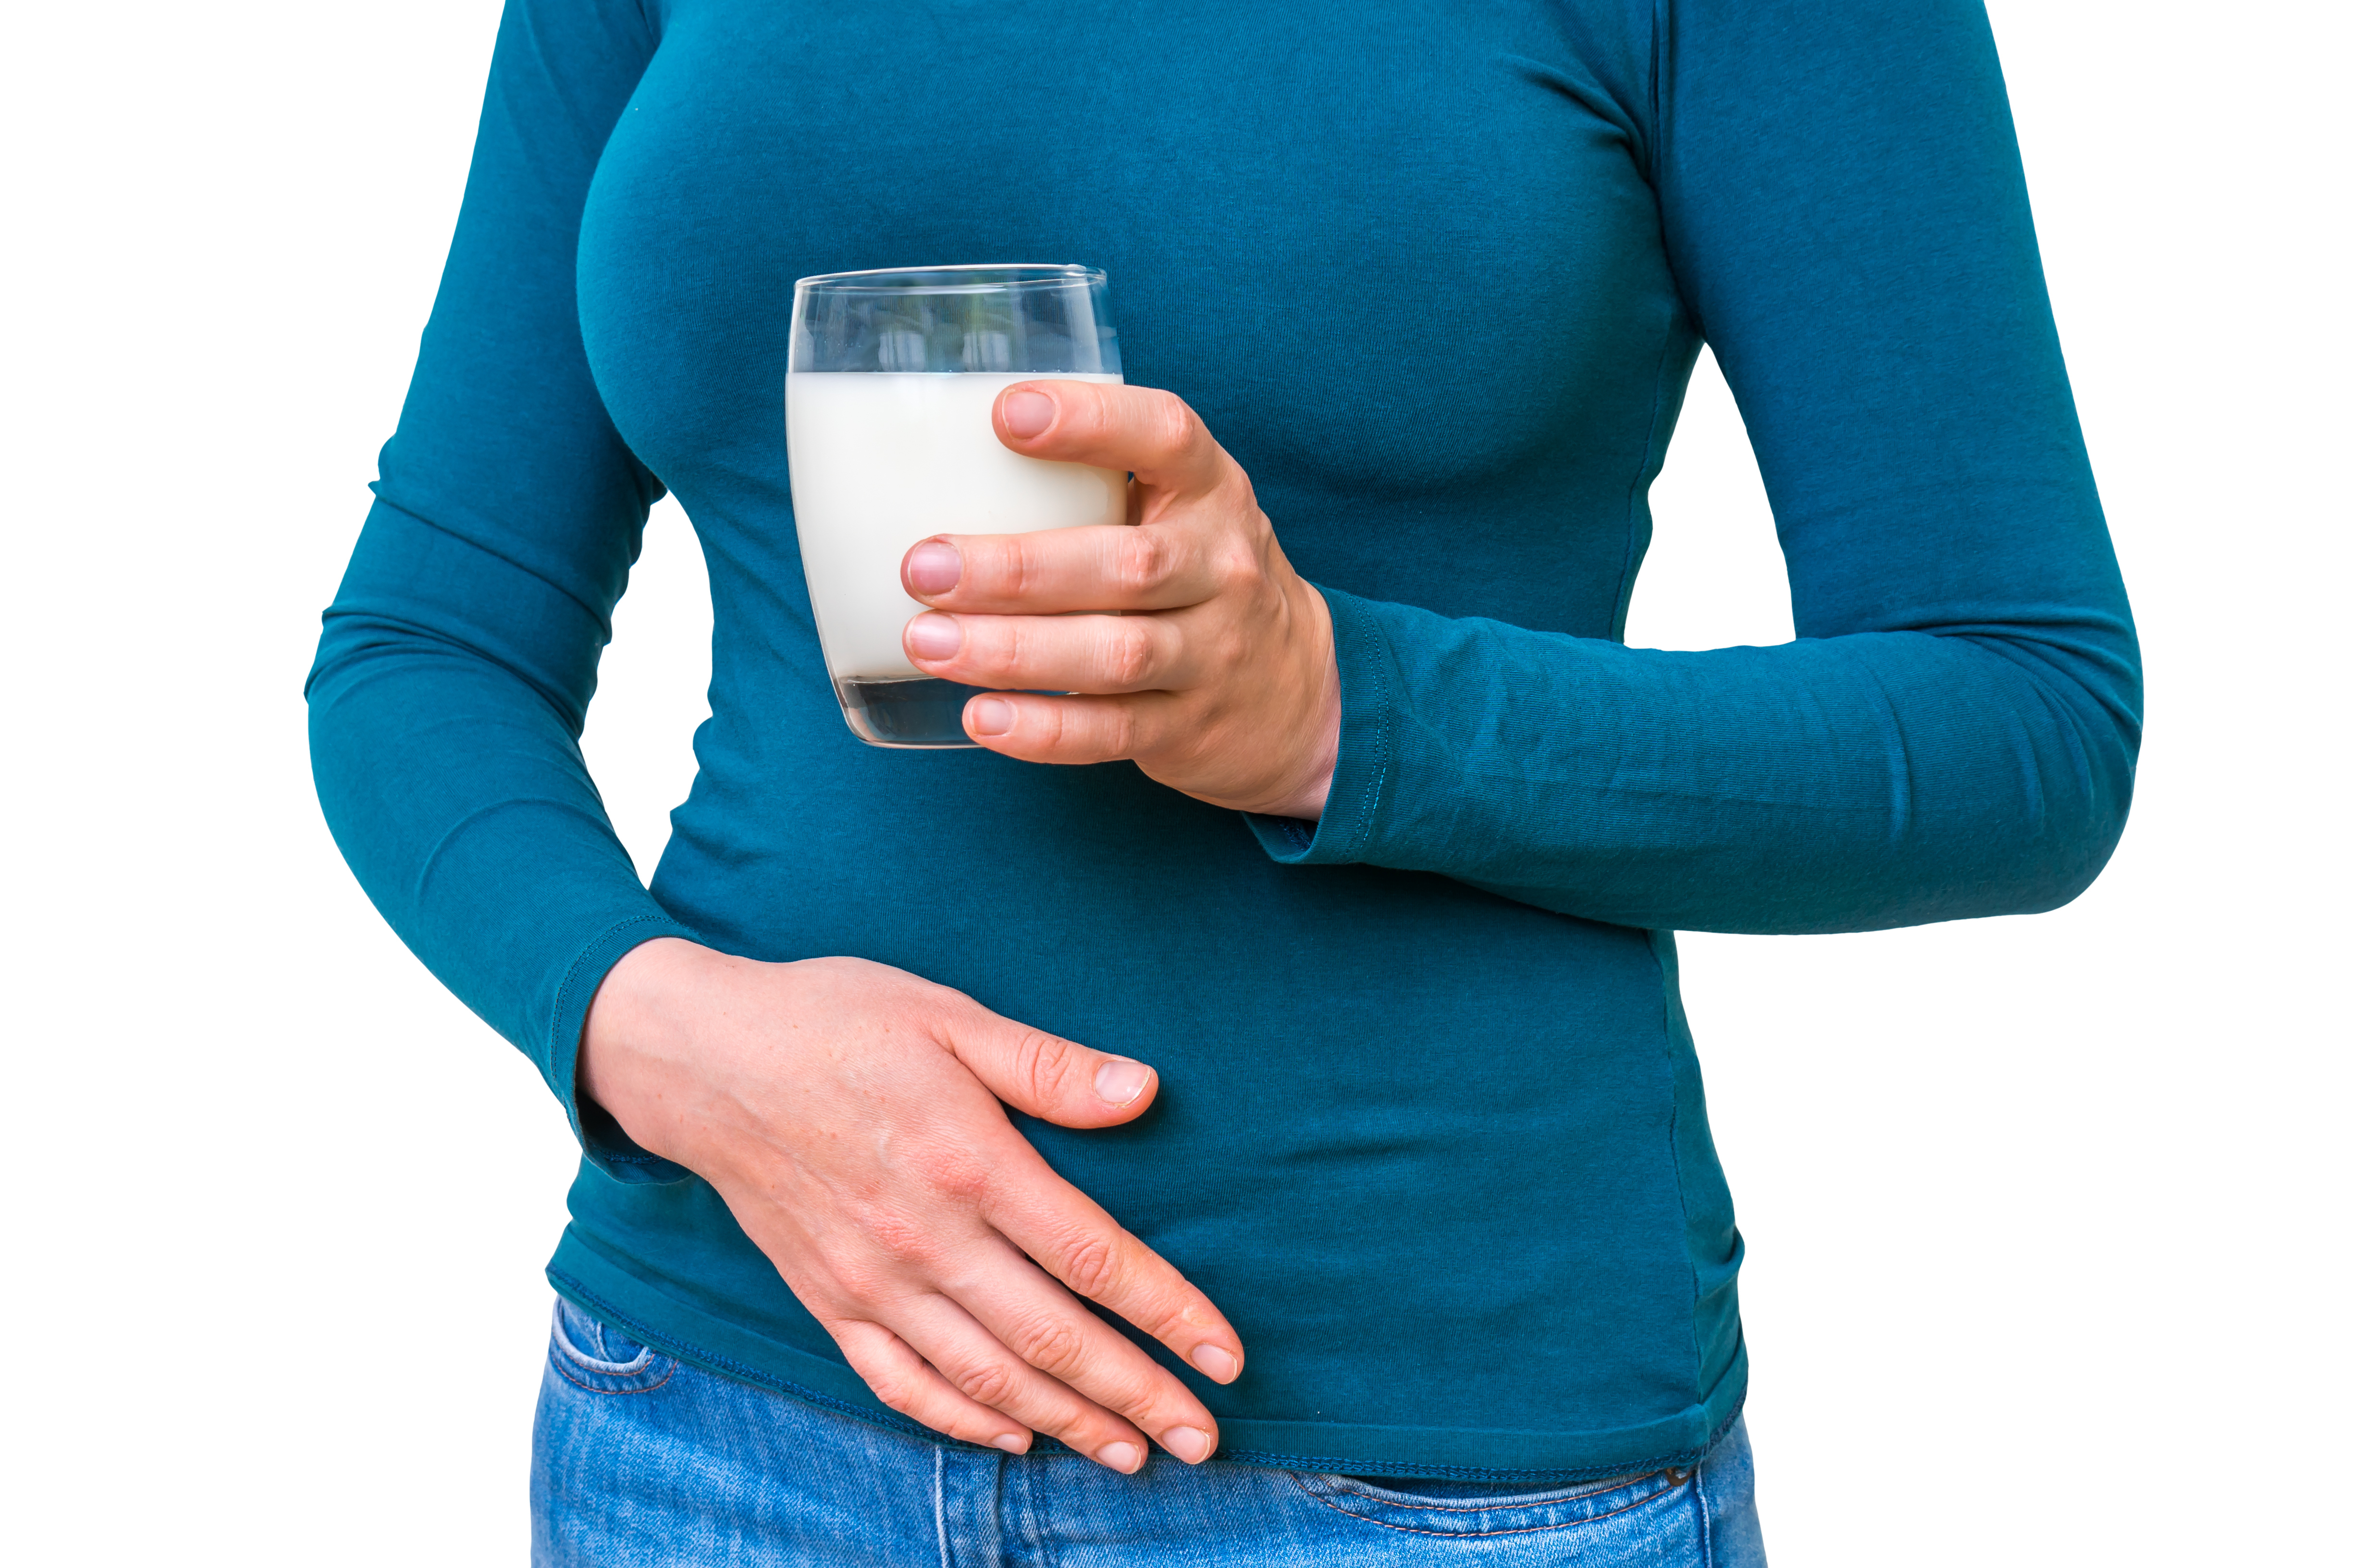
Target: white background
2049, 1219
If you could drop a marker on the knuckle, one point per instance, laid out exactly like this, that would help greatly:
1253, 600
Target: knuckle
1122, 730
1236, 566
866, 1284
1082, 729
1082, 415
1051, 1344
1172, 425
1044, 1065
852, 1258
993, 651
1130, 653
1020, 566
1056, 725
1142, 559
1102, 416
899, 1238
950, 1172
1091, 1267
985, 1382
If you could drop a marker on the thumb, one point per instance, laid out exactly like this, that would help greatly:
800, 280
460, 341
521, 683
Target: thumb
1054, 1079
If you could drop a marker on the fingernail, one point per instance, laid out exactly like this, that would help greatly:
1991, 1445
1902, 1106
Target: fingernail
1123, 1456
1011, 1442
1186, 1444
1214, 1362
1121, 1081
933, 636
1027, 414
933, 567
990, 716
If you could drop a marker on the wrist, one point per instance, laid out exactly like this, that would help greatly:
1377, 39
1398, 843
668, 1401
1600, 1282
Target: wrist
637, 1019
1308, 799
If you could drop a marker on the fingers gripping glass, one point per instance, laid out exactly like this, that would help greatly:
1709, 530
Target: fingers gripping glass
891, 381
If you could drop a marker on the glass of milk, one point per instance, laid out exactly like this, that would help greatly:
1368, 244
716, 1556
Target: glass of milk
891, 381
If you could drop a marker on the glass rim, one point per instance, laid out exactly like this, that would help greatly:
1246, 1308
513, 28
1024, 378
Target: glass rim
972, 277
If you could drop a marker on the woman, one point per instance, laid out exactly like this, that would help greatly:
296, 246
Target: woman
1320, 945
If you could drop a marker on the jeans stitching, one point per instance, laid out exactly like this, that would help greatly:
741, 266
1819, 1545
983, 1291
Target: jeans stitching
1329, 1463
1704, 1516
1480, 1534
591, 1363
598, 1368
557, 1365
1487, 1507
942, 1524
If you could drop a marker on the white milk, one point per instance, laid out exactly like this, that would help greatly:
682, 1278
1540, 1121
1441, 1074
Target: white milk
882, 459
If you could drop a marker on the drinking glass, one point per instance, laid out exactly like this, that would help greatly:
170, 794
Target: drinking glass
890, 380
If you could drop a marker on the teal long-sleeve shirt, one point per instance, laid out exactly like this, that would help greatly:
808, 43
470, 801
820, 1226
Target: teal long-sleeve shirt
1431, 1129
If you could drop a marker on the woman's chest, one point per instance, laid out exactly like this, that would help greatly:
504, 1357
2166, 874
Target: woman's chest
1394, 250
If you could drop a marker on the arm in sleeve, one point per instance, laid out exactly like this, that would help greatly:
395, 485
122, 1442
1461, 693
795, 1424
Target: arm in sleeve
459, 656
1952, 733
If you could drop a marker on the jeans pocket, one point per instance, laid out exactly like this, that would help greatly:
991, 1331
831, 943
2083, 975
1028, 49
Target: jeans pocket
595, 1355
1477, 1509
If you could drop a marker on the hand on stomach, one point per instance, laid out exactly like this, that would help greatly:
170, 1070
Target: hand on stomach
846, 1112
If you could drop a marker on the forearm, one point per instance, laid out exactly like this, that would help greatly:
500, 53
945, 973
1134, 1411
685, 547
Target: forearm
459, 799
1832, 784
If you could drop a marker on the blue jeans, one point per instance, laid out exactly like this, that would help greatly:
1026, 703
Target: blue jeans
641, 1460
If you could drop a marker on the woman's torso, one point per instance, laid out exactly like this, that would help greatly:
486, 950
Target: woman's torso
1440, 1155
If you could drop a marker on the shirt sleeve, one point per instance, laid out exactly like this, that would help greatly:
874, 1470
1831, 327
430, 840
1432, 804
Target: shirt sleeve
1952, 732
458, 660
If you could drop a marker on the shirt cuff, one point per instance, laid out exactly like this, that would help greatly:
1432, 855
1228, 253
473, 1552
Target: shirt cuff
1364, 748
605, 1145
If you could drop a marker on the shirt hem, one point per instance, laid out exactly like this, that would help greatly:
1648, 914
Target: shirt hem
686, 1332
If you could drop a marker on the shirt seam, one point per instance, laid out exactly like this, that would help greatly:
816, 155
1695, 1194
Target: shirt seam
1372, 648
